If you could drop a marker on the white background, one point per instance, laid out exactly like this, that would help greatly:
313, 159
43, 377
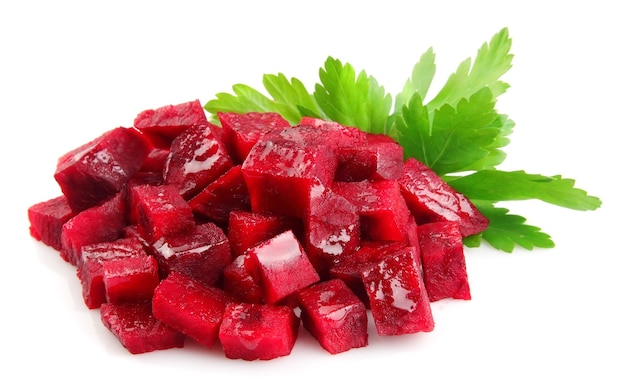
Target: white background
542, 319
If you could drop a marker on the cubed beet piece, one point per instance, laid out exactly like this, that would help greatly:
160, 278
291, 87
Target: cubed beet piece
130, 279
226, 194
201, 252
378, 160
382, 209
197, 157
47, 219
443, 260
161, 211
155, 160
97, 170
334, 315
282, 267
240, 283
137, 329
431, 199
398, 299
191, 307
258, 332
247, 229
101, 223
332, 229
247, 128
171, 120
91, 273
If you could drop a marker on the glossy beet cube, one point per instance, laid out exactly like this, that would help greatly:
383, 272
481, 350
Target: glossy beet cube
130, 279
170, 121
155, 160
201, 252
197, 157
398, 299
97, 170
258, 332
160, 210
244, 130
240, 283
91, 273
137, 329
47, 219
379, 159
431, 199
191, 307
101, 223
247, 229
443, 260
281, 266
334, 315
383, 212
226, 194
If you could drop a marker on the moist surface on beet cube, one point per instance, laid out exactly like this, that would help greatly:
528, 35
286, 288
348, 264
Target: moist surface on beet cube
398, 299
130, 279
431, 199
443, 260
96, 171
379, 159
170, 120
247, 229
191, 307
47, 219
137, 329
258, 332
196, 158
240, 283
334, 315
282, 267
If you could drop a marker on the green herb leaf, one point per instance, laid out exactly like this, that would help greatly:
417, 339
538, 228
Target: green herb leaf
245, 99
419, 82
291, 97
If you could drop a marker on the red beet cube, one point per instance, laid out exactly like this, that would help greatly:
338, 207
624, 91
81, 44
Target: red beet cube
246, 129
282, 267
197, 157
201, 252
443, 260
334, 316
130, 279
90, 270
240, 283
378, 160
247, 229
252, 331
398, 299
191, 307
97, 170
101, 223
161, 211
155, 160
226, 194
47, 219
171, 120
431, 199
137, 329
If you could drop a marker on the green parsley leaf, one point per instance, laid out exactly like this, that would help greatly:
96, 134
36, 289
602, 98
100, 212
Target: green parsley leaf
419, 82
291, 97
245, 99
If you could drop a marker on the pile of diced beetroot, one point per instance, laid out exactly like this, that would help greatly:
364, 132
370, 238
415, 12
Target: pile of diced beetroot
236, 234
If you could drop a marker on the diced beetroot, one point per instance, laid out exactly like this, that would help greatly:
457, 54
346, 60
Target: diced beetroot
375, 161
282, 267
191, 307
197, 157
226, 194
443, 260
140, 178
247, 229
253, 331
97, 224
332, 228
246, 129
97, 170
130, 279
383, 211
240, 283
201, 252
156, 159
334, 315
431, 199
398, 299
161, 211
171, 120
318, 132
47, 219
91, 273
137, 329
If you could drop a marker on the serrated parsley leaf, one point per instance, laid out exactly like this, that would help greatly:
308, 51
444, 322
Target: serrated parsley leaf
289, 96
419, 82
245, 99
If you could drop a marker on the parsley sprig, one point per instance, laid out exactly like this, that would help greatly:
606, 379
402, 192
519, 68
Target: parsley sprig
458, 133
